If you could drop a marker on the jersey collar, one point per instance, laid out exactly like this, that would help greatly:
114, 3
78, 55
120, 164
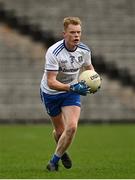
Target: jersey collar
67, 48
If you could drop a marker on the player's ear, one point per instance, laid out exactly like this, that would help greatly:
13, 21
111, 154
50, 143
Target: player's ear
63, 33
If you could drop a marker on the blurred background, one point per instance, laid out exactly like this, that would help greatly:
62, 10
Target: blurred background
29, 27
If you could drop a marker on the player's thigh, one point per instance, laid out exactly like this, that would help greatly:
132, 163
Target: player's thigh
58, 122
71, 115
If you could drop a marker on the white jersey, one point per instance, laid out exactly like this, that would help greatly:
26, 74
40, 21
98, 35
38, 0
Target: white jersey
67, 63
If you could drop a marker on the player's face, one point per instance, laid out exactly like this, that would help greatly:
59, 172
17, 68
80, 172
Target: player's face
72, 36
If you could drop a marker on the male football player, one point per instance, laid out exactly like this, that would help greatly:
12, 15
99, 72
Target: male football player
60, 90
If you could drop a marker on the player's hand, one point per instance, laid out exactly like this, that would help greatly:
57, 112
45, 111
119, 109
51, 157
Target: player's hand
80, 88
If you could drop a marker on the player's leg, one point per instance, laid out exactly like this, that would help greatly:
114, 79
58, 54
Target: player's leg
58, 125
66, 160
52, 104
71, 113
71, 116
58, 130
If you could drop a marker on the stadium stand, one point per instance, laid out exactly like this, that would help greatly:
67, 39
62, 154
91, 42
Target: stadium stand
109, 29
21, 67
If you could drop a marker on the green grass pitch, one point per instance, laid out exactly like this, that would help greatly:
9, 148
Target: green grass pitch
98, 151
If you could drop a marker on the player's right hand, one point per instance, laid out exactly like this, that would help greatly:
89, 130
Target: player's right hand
80, 88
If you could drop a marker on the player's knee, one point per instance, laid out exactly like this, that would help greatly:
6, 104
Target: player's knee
70, 131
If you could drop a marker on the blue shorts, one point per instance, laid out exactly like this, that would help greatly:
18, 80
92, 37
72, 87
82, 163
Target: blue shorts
54, 103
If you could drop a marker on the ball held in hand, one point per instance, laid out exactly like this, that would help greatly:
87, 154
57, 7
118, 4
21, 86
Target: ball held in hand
92, 79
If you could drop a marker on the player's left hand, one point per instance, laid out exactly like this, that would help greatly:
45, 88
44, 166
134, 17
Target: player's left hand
80, 88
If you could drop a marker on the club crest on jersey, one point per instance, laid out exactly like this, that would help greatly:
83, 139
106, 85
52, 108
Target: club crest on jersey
80, 59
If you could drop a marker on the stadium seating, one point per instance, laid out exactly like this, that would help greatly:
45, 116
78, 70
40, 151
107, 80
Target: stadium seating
109, 32
21, 68
109, 29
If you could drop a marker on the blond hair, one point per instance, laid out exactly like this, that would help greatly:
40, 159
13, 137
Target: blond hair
71, 20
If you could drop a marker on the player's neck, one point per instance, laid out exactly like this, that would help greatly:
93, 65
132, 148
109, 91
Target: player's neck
69, 47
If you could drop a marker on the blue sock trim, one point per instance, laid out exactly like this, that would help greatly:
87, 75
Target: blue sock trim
55, 159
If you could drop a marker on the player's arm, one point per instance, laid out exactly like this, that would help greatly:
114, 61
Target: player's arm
80, 88
89, 67
53, 83
88, 62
